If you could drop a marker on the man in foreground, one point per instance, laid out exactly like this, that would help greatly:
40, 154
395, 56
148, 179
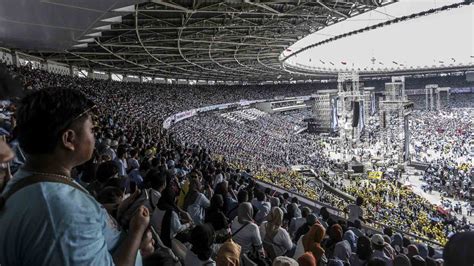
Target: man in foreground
47, 218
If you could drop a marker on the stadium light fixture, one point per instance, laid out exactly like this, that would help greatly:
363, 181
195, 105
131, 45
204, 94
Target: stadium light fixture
86, 40
104, 28
127, 9
94, 34
117, 19
80, 45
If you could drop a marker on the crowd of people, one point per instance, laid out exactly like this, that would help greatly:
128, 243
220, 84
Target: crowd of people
110, 186
442, 140
269, 140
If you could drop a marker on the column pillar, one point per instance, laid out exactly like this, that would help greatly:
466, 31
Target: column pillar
15, 58
426, 99
431, 100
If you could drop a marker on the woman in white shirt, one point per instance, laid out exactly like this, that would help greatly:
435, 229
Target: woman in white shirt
195, 202
244, 230
272, 230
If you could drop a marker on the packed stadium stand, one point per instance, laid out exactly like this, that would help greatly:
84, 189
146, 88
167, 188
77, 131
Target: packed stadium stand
133, 156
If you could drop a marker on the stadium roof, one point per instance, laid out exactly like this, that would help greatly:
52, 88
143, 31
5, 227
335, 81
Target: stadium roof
404, 37
200, 39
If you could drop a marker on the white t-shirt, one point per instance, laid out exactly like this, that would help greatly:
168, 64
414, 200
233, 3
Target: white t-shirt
192, 259
299, 251
247, 237
354, 212
196, 210
281, 240
295, 224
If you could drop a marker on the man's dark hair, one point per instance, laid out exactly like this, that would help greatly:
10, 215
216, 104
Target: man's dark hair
268, 191
388, 231
155, 162
133, 152
121, 151
294, 200
106, 170
157, 180
43, 116
260, 195
242, 196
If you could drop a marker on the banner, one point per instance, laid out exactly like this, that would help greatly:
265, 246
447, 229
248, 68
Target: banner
460, 90
375, 175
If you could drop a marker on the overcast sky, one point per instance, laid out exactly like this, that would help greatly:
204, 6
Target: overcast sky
441, 38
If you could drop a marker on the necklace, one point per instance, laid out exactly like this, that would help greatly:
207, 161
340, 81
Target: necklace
51, 174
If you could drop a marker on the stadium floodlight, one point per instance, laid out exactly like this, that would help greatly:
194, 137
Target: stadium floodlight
103, 28
86, 40
117, 19
94, 34
130, 8
80, 45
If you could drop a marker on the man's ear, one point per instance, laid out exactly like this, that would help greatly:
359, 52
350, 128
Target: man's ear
68, 138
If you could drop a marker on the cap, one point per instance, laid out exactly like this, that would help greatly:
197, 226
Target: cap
378, 240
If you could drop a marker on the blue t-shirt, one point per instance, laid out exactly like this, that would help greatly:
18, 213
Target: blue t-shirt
55, 224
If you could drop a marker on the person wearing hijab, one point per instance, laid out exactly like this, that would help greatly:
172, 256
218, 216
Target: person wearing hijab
271, 230
363, 252
245, 231
202, 238
342, 251
401, 260
165, 218
335, 236
307, 259
350, 237
422, 250
412, 250
397, 242
195, 202
274, 202
228, 254
311, 242
335, 262
417, 260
